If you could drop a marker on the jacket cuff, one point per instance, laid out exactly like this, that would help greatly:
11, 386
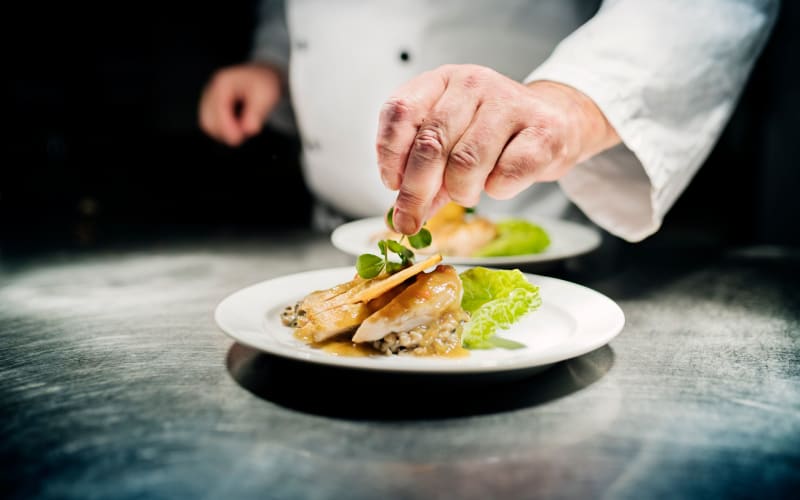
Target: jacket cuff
624, 190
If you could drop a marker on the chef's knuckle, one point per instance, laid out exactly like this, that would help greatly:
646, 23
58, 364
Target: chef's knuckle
429, 144
471, 81
410, 199
474, 76
395, 110
514, 169
542, 141
463, 158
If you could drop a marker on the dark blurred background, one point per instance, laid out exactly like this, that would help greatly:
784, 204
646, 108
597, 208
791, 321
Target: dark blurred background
104, 148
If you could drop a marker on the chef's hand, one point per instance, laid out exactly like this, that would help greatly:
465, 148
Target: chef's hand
450, 133
237, 101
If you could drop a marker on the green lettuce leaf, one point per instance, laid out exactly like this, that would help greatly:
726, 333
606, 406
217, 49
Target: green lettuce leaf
515, 237
495, 299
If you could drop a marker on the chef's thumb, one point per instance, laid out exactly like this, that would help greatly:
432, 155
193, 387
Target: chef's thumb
255, 112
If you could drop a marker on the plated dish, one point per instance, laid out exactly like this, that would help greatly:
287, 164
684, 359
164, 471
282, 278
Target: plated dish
571, 320
567, 239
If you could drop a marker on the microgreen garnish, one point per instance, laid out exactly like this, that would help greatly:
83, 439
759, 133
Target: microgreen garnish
389, 216
421, 239
369, 265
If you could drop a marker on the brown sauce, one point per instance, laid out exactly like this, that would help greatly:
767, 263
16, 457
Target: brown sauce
456, 352
338, 346
343, 346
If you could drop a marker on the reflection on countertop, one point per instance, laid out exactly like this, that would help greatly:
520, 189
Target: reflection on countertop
116, 383
354, 394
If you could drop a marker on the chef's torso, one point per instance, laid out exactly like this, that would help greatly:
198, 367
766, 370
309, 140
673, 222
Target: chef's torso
348, 56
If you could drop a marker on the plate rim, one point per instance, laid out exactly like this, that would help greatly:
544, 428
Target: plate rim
593, 242
443, 369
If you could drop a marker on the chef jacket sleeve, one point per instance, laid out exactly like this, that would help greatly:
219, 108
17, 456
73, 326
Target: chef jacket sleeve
667, 75
271, 45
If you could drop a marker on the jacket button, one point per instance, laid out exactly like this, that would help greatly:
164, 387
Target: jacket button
405, 56
301, 44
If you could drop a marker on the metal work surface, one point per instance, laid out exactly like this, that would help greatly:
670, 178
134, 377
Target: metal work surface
115, 382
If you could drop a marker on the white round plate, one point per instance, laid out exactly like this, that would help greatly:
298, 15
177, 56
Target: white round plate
571, 321
567, 239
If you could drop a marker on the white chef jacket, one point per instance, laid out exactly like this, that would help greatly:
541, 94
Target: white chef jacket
666, 73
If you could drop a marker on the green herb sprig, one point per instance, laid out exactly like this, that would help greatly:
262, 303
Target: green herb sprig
369, 265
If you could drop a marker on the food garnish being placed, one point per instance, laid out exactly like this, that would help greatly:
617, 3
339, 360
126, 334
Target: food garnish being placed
392, 307
460, 232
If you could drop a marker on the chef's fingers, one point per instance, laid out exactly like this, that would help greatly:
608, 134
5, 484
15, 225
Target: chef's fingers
527, 158
475, 154
230, 129
258, 100
209, 122
223, 117
440, 200
399, 119
439, 131
219, 109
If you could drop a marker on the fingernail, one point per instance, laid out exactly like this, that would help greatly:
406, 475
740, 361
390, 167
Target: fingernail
403, 222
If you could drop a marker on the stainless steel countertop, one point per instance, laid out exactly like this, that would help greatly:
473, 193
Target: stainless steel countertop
115, 382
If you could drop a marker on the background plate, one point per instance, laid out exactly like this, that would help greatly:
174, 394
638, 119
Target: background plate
567, 239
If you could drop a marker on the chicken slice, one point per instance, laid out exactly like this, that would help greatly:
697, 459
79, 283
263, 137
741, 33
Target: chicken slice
427, 298
321, 325
331, 322
324, 299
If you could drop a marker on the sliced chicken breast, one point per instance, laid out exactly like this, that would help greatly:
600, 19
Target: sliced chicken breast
427, 298
331, 322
